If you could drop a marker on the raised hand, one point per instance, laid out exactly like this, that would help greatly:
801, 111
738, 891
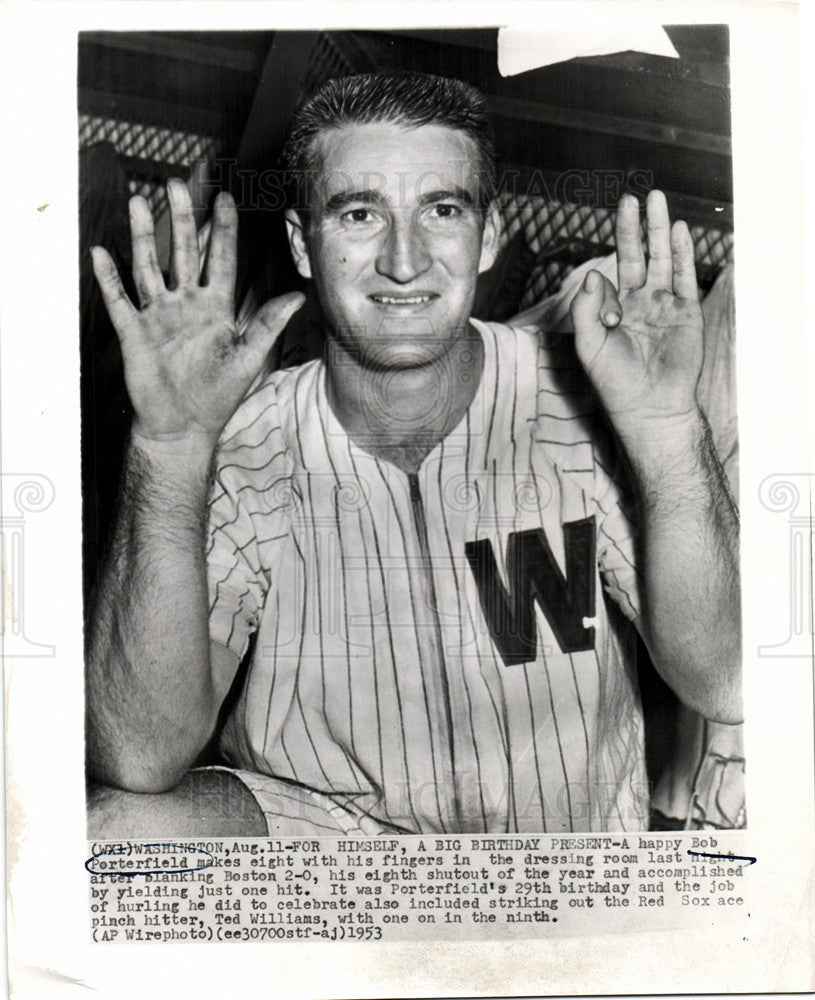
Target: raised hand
643, 348
186, 365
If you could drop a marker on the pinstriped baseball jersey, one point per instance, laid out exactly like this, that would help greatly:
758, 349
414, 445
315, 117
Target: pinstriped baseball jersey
435, 651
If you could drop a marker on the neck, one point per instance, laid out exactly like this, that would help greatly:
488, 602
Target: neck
401, 414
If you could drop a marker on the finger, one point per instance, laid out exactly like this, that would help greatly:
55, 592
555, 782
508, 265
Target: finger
660, 260
611, 312
684, 267
146, 270
269, 322
222, 262
121, 310
184, 251
630, 256
589, 329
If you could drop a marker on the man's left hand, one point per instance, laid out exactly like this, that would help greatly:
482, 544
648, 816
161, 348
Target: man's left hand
643, 347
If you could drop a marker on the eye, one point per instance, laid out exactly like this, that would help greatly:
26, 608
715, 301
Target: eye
444, 210
357, 216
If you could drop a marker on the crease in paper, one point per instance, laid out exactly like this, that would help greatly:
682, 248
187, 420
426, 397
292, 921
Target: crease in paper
26, 979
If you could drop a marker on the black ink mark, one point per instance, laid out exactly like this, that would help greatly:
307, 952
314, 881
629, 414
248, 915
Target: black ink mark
724, 857
156, 869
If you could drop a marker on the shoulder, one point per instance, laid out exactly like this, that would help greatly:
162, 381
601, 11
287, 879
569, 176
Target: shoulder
565, 420
553, 350
262, 413
255, 450
550, 361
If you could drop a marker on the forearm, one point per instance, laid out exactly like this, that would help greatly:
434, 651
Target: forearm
150, 697
691, 616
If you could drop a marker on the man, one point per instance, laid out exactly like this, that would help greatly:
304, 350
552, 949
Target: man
418, 529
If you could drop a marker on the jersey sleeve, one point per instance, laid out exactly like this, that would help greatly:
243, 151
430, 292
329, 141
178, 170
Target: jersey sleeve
241, 515
236, 582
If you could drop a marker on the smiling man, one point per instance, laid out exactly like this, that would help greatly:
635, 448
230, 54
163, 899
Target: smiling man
395, 251
422, 532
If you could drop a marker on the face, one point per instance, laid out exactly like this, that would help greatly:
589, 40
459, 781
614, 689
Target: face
396, 240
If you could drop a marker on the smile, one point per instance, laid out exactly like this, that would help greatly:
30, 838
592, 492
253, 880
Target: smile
402, 300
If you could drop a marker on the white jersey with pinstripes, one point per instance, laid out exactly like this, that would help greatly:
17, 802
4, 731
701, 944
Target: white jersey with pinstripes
374, 678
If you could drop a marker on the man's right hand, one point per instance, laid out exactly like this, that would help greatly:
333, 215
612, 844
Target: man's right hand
153, 690
187, 367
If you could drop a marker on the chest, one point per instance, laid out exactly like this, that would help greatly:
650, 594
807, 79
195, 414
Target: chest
466, 552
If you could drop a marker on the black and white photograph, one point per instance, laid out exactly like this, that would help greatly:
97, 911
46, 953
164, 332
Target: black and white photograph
405, 482
431, 527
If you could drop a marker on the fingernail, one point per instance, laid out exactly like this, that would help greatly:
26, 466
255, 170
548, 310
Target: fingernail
612, 318
294, 306
592, 281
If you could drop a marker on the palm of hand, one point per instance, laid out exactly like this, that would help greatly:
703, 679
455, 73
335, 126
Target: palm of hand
650, 363
187, 366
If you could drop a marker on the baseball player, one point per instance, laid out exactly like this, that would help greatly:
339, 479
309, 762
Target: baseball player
420, 541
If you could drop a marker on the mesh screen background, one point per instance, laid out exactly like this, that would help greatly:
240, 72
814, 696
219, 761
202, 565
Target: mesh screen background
561, 235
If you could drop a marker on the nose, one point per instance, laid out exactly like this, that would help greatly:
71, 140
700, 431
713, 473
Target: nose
403, 254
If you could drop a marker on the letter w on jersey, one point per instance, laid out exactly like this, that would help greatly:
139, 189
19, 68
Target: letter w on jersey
534, 575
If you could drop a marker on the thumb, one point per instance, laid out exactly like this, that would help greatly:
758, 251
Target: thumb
595, 309
270, 320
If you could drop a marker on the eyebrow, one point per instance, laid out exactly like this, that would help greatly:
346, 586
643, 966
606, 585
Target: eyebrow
444, 194
342, 199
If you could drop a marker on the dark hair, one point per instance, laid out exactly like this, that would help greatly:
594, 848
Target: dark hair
410, 99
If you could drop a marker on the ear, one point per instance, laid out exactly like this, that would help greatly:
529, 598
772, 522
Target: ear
298, 243
489, 239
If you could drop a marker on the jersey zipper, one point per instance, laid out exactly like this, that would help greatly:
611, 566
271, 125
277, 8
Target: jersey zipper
420, 522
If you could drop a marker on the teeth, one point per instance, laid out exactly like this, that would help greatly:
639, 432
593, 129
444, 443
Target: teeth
413, 301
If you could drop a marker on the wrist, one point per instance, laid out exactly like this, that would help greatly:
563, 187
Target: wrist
193, 450
659, 437
170, 479
666, 453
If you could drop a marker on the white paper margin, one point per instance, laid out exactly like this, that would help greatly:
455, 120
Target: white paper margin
40, 433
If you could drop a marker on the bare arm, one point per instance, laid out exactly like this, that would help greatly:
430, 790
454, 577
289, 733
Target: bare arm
152, 693
643, 352
151, 701
691, 615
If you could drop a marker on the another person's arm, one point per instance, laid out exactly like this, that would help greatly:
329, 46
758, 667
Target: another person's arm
643, 352
154, 684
